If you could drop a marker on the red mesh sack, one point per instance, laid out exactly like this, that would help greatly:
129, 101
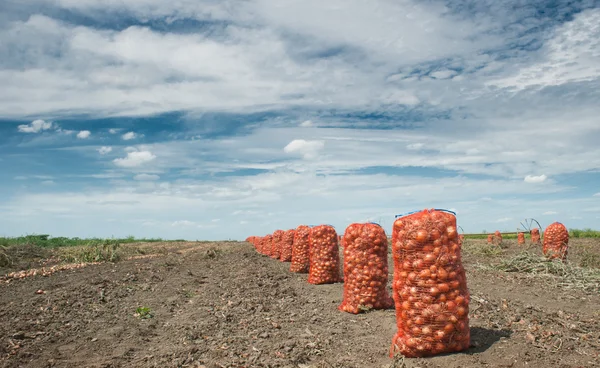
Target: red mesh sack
324, 257
267, 245
300, 252
535, 236
430, 286
365, 269
287, 243
258, 244
497, 237
490, 238
556, 241
521, 238
276, 247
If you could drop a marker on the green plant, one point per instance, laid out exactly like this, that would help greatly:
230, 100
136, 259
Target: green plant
144, 312
5, 260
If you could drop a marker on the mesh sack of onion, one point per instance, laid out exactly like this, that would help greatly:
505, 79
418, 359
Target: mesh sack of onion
365, 269
556, 241
490, 238
276, 247
287, 242
535, 236
521, 238
430, 287
300, 253
497, 237
324, 257
267, 245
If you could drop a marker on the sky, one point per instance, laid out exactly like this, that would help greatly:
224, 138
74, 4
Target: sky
221, 119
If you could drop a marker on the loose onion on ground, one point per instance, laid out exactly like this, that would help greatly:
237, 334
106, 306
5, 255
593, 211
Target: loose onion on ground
365, 269
430, 287
324, 258
556, 241
300, 250
287, 243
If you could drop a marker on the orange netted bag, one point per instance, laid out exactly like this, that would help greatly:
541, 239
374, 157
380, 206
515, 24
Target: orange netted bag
556, 241
258, 244
300, 252
276, 247
535, 236
521, 238
497, 237
267, 245
287, 243
430, 287
490, 238
324, 256
365, 269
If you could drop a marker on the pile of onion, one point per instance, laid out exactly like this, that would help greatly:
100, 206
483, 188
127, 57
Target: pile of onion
365, 269
276, 247
286, 245
324, 257
430, 287
490, 238
535, 236
300, 252
556, 241
521, 238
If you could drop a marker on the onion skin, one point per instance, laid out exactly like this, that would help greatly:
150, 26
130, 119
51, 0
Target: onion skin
429, 288
300, 250
556, 241
366, 269
324, 258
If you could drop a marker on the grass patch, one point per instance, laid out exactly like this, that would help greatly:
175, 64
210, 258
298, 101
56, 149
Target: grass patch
5, 260
566, 274
46, 241
584, 233
107, 251
486, 250
144, 312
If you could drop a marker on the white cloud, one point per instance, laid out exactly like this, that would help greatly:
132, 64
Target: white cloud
183, 223
104, 150
443, 74
571, 55
84, 134
130, 149
146, 177
535, 179
308, 149
114, 130
504, 219
307, 124
547, 213
129, 136
415, 146
596, 194
48, 182
135, 159
35, 126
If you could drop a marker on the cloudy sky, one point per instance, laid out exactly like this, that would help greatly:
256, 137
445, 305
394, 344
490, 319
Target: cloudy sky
217, 119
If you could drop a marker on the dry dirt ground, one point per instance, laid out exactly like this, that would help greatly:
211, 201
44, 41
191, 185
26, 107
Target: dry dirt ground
224, 305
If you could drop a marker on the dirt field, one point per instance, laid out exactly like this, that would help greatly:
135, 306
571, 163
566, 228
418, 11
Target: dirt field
224, 305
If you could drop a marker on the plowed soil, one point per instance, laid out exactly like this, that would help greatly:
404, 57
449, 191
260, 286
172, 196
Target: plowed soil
224, 305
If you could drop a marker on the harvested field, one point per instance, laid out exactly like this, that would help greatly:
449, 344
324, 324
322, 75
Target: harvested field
211, 305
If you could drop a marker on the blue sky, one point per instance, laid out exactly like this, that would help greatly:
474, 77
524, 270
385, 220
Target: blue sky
212, 119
